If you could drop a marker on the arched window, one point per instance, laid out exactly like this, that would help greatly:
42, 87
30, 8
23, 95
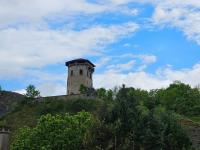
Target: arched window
81, 72
72, 72
90, 75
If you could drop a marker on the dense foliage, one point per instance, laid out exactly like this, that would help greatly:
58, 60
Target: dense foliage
32, 92
138, 121
180, 98
58, 132
125, 119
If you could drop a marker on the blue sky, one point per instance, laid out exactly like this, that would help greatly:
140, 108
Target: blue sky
145, 44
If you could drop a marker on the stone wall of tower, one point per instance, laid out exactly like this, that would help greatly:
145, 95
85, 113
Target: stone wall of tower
76, 77
4, 138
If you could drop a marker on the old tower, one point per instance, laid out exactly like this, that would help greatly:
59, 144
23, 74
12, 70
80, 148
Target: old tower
79, 73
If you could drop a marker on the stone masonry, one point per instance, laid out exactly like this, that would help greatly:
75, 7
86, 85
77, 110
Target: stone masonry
4, 138
80, 72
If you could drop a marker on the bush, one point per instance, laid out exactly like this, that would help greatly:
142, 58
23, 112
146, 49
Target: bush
58, 132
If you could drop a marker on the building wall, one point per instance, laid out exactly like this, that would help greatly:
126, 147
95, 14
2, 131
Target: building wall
75, 79
71, 97
4, 139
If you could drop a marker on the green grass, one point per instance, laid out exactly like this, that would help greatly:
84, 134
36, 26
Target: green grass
195, 119
27, 114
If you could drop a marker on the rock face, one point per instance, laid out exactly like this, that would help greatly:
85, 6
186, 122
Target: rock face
193, 131
8, 100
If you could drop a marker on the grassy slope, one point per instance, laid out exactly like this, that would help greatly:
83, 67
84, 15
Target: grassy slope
27, 114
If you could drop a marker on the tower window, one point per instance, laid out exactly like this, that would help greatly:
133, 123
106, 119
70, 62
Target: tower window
72, 72
81, 72
90, 76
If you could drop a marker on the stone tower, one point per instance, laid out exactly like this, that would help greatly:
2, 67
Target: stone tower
4, 137
79, 73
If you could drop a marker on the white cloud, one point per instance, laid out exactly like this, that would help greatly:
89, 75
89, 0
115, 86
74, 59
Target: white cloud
121, 67
21, 91
52, 89
25, 50
33, 48
147, 59
184, 15
14, 11
144, 80
189, 76
141, 80
48, 89
181, 14
119, 2
36, 11
103, 61
55, 84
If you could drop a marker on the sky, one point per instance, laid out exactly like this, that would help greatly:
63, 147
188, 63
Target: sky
145, 44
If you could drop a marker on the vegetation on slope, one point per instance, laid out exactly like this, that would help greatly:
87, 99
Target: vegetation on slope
60, 132
126, 118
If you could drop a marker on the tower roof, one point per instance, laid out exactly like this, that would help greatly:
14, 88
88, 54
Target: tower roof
80, 60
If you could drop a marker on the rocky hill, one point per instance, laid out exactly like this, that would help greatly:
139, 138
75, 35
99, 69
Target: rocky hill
8, 100
27, 114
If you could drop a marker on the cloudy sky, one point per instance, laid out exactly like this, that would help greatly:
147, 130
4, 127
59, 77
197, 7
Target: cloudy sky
142, 43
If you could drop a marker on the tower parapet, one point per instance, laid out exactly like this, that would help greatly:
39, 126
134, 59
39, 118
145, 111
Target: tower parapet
80, 72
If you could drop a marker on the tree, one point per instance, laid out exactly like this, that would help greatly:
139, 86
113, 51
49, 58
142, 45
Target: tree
105, 94
101, 93
83, 89
31, 92
180, 98
0, 88
142, 123
58, 132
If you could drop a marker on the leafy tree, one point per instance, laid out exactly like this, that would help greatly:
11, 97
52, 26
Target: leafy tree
105, 94
0, 88
83, 89
180, 98
141, 123
128, 118
58, 132
101, 93
32, 92
174, 137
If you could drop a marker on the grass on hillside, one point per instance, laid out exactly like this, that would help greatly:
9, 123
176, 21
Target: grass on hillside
27, 114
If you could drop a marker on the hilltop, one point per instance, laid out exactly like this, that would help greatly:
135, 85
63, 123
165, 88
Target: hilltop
129, 104
8, 100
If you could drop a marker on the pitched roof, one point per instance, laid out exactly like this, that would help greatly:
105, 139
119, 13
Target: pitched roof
80, 60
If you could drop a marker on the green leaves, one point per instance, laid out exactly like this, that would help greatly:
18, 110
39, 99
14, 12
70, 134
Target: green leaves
31, 92
83, 89
58, 132
126, 119
180, 98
